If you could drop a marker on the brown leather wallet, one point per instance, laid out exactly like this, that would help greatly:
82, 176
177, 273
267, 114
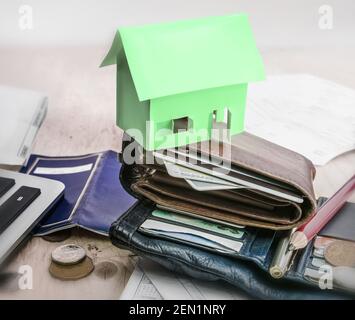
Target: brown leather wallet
247, 207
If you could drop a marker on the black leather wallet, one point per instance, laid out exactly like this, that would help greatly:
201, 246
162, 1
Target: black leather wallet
248, 270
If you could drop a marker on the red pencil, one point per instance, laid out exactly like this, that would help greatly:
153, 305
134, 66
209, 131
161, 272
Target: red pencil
309, 230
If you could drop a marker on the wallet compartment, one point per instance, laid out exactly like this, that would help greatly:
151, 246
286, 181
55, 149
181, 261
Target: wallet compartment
225, 205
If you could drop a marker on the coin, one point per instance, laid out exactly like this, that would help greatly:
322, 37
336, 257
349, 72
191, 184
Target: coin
68, 254
322, 242
340, 253
71, 272
58, 236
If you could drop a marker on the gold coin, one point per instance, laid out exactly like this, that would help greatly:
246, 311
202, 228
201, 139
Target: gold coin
72, 272
340, 254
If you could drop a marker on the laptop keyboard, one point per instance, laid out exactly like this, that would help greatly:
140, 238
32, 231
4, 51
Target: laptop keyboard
16, 203
5, 185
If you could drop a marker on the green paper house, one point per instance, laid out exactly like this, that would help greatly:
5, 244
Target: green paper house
176, 80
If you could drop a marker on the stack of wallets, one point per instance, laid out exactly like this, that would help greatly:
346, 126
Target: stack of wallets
222, 211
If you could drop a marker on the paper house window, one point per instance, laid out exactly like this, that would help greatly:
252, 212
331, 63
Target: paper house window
182, 124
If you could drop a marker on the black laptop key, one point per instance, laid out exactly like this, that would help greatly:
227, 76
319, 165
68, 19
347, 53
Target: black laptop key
16, 204
5, 185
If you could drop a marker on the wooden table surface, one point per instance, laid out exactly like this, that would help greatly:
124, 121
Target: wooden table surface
81, 119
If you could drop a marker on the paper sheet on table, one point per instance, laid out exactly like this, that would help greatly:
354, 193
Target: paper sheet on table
307, 114
151, 281
139, 287
21, 115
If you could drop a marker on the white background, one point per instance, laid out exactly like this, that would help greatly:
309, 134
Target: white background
276, 23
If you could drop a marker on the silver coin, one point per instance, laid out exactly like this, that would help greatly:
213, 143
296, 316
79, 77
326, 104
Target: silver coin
68, 254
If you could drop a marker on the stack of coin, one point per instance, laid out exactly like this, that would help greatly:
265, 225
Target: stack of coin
70, 262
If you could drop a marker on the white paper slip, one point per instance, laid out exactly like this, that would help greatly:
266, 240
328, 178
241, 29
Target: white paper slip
230, 178
217, 241
178, 171
194, 159
21, 115
208, 186
63, 170
198, 180
307, 114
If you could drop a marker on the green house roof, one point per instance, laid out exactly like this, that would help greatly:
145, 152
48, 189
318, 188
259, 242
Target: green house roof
184, 56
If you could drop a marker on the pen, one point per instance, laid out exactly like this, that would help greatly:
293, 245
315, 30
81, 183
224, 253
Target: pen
309, 230
282, 258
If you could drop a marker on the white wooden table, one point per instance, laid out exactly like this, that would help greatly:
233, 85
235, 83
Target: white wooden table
81, 119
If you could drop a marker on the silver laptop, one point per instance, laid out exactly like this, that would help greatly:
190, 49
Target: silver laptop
24, 200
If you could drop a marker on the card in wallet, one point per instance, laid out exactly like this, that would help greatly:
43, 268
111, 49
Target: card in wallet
269, 186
